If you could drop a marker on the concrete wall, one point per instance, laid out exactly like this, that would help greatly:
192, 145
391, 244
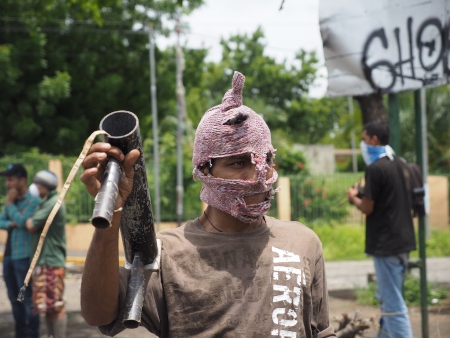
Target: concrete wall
320, 157
438, 189
79, 236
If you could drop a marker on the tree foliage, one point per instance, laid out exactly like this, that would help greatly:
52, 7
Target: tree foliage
66, 64
438, 123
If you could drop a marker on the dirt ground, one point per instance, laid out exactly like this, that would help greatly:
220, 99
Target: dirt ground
340, 302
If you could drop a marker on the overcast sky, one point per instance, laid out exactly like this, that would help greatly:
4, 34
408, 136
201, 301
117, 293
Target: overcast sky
296, 26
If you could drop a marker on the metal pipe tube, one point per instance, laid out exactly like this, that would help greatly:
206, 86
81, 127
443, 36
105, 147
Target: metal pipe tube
136, 225
107, 195
135, 294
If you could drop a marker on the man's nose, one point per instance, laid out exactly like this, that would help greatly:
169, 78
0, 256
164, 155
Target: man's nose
253, 174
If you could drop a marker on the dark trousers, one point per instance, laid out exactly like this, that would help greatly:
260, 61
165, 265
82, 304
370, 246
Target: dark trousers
14, 272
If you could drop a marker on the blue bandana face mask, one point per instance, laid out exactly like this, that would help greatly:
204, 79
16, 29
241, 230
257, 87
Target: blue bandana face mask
371, 153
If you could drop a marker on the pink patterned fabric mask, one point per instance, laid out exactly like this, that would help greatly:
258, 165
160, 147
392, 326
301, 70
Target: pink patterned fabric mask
232, 129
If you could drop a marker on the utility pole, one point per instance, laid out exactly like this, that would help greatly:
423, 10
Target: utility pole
181, 114
157, 203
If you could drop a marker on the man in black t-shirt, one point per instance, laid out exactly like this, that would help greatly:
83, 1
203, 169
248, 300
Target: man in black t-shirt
390, 236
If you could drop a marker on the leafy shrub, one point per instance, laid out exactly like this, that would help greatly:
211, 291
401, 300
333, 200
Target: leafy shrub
314, 202
366, 296
411, 293
340, 242
290, 161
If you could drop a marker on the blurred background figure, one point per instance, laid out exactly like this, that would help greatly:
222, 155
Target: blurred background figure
19, 206
34, 191
48, 276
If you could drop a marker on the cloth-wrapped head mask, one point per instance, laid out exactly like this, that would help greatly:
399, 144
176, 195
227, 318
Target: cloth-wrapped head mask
231, 129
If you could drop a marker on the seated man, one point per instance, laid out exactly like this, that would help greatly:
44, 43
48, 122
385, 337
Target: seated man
232, 272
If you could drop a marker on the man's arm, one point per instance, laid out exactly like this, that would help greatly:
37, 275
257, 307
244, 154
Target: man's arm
40, 217
5, 223
365, 204
19, 217
320, 301
100, 280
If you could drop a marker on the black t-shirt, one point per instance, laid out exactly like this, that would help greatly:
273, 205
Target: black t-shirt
389, 228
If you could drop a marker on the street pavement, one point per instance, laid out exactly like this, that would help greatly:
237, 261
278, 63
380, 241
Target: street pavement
341, 276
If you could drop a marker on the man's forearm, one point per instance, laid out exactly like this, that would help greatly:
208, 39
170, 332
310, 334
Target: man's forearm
364, 204
357, 202
20, 216
100, 281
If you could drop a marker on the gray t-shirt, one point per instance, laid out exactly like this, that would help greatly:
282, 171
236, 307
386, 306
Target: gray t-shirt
261, 283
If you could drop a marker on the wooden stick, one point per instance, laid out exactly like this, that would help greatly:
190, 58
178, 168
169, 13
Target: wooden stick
62, 194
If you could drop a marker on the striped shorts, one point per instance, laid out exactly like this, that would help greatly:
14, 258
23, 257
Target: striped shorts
48, 288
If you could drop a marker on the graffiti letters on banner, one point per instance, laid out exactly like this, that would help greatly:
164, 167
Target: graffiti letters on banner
386, 46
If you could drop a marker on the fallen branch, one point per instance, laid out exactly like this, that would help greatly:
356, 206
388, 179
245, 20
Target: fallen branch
350, 327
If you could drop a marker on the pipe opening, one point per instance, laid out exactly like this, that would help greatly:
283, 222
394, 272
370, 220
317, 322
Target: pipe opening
119, 124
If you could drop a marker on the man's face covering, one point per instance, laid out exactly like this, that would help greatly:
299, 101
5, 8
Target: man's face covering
231, 129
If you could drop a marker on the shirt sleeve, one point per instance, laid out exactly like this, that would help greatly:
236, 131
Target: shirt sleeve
373, 182
320, 320
4, 221
154, 313
20, 217
40, 216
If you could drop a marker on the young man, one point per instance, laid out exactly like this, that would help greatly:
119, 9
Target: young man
232, 272
19, 206
389, 228
48, 275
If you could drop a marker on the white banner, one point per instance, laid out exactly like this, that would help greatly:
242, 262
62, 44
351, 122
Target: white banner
385, 45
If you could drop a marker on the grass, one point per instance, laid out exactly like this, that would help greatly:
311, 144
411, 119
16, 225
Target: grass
341, 242
346, 242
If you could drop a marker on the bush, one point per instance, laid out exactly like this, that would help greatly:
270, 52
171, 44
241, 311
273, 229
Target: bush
411, 293
341, 242
366, 296
314, 201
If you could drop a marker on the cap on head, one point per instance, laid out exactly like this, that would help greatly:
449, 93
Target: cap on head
231, 129
47, 179
17, 170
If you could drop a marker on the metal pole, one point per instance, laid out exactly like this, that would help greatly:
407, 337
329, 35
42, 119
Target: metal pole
424, 166
353, 140
180, 105
422, 160
394, 123
151, 39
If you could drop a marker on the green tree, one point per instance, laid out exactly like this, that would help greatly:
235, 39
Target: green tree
438, 124
276, 90
66, 64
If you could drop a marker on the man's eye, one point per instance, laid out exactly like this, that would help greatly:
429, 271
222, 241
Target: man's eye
238, 163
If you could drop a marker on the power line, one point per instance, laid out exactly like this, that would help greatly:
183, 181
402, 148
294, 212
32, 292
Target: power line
71, 21
226, 23
84, 30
